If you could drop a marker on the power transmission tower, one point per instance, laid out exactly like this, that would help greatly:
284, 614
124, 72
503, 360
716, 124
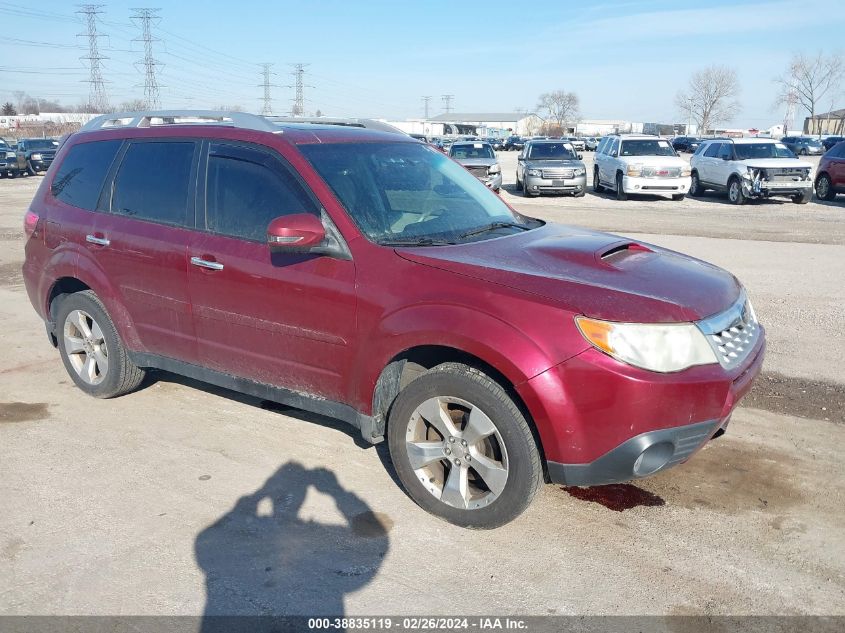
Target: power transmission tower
447, 102
268, 102
145, 18
425, 102
298, 73
97, 98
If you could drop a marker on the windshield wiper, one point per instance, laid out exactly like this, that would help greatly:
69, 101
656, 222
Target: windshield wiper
493, 226
420, 241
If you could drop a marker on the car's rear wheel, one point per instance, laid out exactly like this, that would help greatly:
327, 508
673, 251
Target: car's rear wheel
91, 350
620, 189
678, 196
735, 194
597, 181
802, 198
462, 448
695, 189
824, 188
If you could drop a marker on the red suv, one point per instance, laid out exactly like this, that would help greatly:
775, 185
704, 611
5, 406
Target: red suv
831, 173
366, 276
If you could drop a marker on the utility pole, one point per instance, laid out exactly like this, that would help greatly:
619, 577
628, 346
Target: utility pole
97, 98
447, 102
689, 115
426, 101
298, 73
268, 102
145, 18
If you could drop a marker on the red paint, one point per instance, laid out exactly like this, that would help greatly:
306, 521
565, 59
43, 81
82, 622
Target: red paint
616, 497
834, 166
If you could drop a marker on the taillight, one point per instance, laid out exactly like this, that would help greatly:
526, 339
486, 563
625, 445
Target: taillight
30, 223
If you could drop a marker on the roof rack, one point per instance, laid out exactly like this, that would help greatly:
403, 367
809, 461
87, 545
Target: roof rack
370, 124
181, 117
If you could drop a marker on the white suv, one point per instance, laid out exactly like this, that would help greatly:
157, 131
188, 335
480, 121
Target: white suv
750, 168
639, 163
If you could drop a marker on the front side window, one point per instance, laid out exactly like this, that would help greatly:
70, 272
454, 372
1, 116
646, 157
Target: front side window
713, 150
154, 181
79, 179
399, 192
745, 151
248, 188
647, 147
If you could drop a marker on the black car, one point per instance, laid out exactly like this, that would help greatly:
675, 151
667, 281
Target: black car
35, 155
830, 141
513, 143
685, 144
8, 160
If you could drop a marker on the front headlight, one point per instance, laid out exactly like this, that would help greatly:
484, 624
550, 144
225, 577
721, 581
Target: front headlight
10, 155
634, 170
494, 169
533, 172
579, 171
686, 171
36, 157
663, 347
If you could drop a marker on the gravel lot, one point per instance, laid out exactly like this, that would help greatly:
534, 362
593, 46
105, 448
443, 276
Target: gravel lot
182, 498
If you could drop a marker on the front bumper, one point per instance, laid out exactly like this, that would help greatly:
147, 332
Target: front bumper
41, 165
494, 181
538, 184
636, 184
767, 189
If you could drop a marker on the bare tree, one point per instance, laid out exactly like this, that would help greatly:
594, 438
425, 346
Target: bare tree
710, 97
9, 109
809, 79
133, 105
561, 108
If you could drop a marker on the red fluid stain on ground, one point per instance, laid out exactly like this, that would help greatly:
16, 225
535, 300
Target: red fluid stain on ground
616, 497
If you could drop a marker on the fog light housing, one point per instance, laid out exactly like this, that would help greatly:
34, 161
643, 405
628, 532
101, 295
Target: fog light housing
653, 458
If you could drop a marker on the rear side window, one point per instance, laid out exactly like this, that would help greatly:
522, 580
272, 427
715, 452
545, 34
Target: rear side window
246, 189
79, 179
154, 181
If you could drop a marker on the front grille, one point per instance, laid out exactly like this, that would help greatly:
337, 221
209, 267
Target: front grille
478, 172
557, 174
661, 172
733, 333
785, 174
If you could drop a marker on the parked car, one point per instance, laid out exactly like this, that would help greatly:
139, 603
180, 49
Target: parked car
492, 350
550, 167
497, 143
803, 145
8, 161
514, 143
35, 155
480, 160
831, 173
685, 144
577, 143
639, 163
830, 141
590, 143
750, 168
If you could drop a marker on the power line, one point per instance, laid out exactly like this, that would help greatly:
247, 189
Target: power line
447, 102
97, 89
426, 100
298, 73
145, 17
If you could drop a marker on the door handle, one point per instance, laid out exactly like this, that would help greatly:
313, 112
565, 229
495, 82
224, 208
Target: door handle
99, 241
204, 263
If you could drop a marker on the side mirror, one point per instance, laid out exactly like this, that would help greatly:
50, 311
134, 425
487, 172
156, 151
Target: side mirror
580, 156
520, 158
726, 157
295, 233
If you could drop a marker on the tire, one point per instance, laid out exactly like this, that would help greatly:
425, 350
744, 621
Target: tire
735, 194
88, 340
804, 152
597, 181
824, 188
802, 198
518, 183
678, 196
525, 192
579, 194
620, 191
695, 189
30, 170
512, 465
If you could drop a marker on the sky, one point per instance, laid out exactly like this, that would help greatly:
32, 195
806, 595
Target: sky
376, 58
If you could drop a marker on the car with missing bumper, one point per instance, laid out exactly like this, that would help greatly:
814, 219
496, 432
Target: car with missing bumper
480, 160
749, 168
8, 160
493, 351
35, 155
639, 164
546, 166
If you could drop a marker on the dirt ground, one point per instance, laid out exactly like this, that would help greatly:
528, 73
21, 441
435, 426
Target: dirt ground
186, 499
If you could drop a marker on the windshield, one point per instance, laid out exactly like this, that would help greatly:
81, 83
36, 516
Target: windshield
41, 144
744, 151
647, 147
473, 150
559, 151
406, 191
813, 141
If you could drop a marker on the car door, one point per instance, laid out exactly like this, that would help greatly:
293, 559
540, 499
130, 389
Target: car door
520, 163
836, 166
707, 164
607, 167
141, 243
724, 165
277, 318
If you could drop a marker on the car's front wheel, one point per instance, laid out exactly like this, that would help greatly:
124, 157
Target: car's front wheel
695, 185
824, 188
462, 448
597, 181
620, 189
91, 349
735, 194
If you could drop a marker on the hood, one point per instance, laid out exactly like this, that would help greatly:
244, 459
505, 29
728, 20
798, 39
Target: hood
768, 163
477, 162
596, 274
553, 162
656, 161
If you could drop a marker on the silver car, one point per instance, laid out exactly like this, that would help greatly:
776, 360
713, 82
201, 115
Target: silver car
550, 167
480, 159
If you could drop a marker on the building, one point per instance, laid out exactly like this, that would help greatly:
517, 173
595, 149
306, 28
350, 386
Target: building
832, 122
499, 124
603, 127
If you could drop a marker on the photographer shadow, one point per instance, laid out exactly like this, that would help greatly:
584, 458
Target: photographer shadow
261, 559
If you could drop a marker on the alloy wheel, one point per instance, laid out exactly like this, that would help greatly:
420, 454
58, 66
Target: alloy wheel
457, 452
86, 347
823, 188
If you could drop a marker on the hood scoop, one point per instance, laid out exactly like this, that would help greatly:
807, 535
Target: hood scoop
621, 249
